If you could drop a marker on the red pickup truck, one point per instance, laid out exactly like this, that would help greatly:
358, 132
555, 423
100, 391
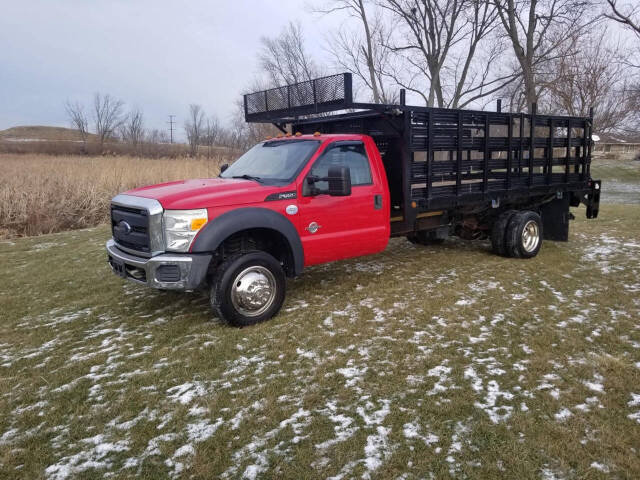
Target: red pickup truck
307, 197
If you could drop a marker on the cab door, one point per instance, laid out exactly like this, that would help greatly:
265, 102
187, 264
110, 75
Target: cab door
337, 227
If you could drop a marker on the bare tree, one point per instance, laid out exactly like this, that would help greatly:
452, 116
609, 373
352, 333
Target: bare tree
596, 78
626, 15
157, 136
194, 127
132, 130
362, 53
211, 133
432, 28
285, 60
539, 32
107, 116
78, 119
439, 47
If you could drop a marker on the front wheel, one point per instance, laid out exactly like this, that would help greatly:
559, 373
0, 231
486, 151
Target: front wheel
248, 288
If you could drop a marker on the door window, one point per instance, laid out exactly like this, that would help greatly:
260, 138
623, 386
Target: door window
349, 155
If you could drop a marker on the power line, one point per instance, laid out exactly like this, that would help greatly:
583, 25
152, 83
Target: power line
171, 122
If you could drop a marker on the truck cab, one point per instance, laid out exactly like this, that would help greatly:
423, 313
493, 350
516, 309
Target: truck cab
289, 202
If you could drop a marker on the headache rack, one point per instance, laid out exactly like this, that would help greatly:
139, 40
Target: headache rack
440, 159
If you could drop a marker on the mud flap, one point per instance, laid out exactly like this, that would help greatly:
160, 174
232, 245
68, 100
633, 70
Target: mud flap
593, 199
555, 219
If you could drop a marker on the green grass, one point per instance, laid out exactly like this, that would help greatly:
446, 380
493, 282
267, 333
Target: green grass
421, 361
621, 179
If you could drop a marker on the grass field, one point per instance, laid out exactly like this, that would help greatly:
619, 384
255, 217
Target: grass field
621, 177
420, 362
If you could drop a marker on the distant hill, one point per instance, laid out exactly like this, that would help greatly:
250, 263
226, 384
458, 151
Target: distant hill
40, 133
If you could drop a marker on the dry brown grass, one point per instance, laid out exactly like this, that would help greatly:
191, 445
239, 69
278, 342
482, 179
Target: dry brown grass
45, 194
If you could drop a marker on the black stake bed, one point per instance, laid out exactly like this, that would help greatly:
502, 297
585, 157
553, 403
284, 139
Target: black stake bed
445, 159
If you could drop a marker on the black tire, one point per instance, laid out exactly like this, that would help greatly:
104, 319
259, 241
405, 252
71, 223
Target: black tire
519, 245
227, 274
425, 238
499, 232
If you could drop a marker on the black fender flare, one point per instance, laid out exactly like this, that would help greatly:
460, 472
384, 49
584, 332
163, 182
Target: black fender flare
220, 228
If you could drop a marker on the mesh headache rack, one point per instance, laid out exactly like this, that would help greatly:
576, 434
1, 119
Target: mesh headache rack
439, 158
282, 104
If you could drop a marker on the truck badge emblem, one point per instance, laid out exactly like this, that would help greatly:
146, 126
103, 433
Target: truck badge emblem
313, 227
291, 209
123, 227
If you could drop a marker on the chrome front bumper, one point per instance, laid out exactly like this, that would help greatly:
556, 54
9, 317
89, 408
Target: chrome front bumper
165, 271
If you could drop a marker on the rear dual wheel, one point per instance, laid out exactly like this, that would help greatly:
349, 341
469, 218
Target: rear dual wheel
517, 234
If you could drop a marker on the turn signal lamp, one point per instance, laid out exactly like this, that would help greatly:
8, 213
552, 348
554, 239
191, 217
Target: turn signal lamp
197, 223
298, 134
316, 134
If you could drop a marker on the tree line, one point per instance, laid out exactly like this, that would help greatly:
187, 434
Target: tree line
563, 55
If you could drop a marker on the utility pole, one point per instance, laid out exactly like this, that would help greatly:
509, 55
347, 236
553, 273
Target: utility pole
171, 122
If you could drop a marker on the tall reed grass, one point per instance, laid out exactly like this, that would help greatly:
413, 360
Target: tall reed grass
45, 194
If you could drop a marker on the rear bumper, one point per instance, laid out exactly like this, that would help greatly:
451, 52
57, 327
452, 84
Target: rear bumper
166, 271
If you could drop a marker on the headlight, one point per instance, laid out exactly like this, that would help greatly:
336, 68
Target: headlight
181, 227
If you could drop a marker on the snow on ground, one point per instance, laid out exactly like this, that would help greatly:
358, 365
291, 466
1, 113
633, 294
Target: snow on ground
355, 378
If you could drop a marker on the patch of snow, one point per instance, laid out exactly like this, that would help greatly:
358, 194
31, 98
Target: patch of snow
376, 450
352, 374
201, 431
96, 458
412, 430
563, 414
559, 296
305, 353
600, 467
186, 392
596, 387
496, 413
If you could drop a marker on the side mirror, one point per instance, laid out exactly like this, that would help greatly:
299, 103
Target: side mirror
224, 167
339, 179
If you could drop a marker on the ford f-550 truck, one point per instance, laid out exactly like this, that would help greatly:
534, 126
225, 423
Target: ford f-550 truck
338, 186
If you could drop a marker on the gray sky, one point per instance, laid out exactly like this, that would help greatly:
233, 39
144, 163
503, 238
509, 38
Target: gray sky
155, 54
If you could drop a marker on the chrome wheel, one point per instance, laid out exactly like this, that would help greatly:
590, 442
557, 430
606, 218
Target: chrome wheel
530, 236
253, 291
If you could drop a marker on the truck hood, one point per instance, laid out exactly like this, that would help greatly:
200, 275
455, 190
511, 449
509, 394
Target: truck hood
205, 193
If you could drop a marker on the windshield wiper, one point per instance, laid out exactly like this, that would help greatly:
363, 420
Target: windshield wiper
248, 177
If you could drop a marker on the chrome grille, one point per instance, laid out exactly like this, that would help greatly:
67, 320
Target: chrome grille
136, 225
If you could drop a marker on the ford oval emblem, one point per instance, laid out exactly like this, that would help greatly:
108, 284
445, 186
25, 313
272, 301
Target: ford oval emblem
124, 227
291, 209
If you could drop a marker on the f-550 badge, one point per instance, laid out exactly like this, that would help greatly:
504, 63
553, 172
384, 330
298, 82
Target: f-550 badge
281, 196
313, 227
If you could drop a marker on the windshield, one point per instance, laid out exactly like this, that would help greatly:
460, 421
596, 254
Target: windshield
275, 160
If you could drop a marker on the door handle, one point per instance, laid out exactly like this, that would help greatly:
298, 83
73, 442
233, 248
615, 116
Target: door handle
377, 202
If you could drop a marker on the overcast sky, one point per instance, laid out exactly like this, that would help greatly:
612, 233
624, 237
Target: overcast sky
155, 54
